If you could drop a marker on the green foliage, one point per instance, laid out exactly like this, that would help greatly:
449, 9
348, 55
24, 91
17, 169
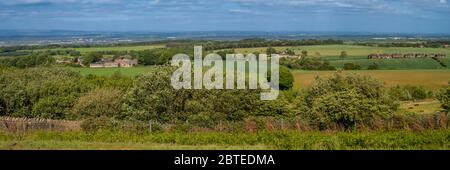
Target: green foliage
444, 97
347, 101
91, 57
28, 61
351, 66
343, 54
409, 92
97, 103
153, 98
306, 63
373, 66
383, 140
286, 78
39, 92
160, 56
271, 50
52, 92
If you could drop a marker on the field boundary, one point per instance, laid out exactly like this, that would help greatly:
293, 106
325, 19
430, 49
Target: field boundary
13, 124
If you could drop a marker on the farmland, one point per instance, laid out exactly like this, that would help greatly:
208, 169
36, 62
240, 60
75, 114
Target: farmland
113, 112
358, 55
352, 50
431, 79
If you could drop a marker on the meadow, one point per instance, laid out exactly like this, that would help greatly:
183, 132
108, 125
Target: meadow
390, 140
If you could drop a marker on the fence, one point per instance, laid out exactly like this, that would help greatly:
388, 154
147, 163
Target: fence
12, 124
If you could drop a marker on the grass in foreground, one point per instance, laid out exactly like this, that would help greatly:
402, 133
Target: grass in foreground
396, 140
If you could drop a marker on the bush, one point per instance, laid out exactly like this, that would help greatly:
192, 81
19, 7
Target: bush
39, 92
153, 98
351, 66
98, 103
409, 92
444, 98
286, 78
346, 101
373, 66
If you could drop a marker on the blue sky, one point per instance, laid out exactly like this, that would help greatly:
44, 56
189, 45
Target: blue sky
397, 16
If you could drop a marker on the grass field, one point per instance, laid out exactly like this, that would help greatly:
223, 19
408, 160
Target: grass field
358, 55
392, 140
428, 106
133, 71
430, 79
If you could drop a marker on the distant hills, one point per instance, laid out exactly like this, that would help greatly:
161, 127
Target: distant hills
34, 37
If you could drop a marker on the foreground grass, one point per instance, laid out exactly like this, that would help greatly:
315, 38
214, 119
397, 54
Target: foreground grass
430, 139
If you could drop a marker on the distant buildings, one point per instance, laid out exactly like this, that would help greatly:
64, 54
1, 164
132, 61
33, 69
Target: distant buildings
409, 55
119, 62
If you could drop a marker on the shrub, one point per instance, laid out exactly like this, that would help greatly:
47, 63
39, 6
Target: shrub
286, 78
351, 66
39, 92
97, 103
346, 101
409, 92
444, 98
373, 66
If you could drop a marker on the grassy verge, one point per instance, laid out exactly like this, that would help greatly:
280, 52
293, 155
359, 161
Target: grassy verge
430, 139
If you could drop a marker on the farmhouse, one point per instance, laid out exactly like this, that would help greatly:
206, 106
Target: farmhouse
108, 63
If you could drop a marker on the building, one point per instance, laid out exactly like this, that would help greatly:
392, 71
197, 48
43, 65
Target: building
408, 55
110, 63
126, 62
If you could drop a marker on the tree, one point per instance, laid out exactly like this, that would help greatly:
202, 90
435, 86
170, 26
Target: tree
351, 66
91, 57
271, 50
343, 54
444, 98
304, 53
347, 101
373, 66
286, 78
98, 103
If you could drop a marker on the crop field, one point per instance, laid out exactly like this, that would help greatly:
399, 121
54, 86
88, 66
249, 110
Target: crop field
391, 64
358, 55
430, 79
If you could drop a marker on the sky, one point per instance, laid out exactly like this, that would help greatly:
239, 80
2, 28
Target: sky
376, 16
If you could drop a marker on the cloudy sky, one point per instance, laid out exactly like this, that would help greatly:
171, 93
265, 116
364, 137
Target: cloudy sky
412, 16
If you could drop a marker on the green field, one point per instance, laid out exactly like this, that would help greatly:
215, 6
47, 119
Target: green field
352, 50
133, 71
358, 55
